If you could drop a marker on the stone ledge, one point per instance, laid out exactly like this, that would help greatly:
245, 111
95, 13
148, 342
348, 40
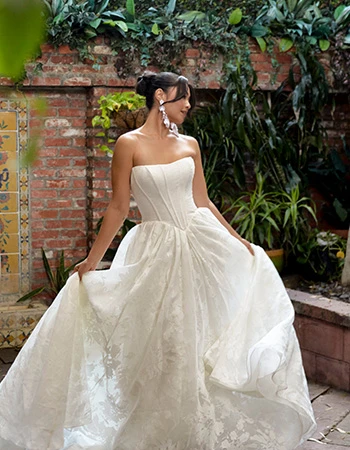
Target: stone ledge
322, 308
17, 322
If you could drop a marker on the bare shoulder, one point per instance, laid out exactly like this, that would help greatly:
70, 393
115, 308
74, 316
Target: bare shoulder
126, 140
193, 145
126, 146
191, 141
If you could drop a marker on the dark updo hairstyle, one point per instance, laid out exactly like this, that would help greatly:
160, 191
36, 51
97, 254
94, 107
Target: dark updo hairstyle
149, 82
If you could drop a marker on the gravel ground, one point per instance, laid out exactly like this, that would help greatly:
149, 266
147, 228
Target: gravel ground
332, 290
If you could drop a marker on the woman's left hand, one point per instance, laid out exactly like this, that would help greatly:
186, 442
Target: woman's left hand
248, 245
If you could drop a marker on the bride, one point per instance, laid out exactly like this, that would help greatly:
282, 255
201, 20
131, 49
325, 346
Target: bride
185, 343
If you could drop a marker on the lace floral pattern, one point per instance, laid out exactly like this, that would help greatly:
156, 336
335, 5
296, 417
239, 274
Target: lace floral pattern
186, 343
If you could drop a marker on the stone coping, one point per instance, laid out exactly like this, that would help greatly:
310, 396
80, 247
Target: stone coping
317, 307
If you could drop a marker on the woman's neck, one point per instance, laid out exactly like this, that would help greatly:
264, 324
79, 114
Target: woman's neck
154, 125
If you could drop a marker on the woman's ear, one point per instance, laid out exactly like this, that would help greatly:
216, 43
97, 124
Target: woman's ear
159, 95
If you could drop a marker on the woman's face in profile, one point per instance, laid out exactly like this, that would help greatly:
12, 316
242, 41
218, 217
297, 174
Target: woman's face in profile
177, 111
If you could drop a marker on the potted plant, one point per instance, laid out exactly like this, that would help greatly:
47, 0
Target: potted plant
126, 109
275, 220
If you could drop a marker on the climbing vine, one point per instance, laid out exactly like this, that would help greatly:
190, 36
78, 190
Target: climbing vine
159, 32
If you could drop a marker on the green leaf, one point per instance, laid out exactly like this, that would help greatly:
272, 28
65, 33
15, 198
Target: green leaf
347, 39
285, 44
235, 16
190, 16
47, 267
122, 25
31, 294
262, 43
130, 7
324, 44
155, 29
95, 23
338, 11
258, 31
22, 25
170, 7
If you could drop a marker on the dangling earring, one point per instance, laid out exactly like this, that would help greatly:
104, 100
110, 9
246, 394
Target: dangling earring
172, 127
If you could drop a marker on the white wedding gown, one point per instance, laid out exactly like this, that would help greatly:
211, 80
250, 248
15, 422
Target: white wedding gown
186, 342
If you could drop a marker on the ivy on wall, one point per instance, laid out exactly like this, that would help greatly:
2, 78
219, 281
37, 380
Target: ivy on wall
159, 32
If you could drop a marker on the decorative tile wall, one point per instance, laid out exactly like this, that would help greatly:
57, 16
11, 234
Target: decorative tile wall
14, 228
17, 323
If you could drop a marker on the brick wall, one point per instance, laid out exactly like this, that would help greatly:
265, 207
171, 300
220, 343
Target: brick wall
325, 350
70, 182
58, 186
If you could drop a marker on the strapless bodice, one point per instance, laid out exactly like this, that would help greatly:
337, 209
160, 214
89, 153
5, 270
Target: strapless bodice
163, 192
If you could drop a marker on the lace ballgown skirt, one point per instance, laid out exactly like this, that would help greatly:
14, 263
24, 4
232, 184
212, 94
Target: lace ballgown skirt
186, 342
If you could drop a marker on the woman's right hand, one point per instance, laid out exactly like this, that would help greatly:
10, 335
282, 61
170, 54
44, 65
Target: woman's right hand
83, 267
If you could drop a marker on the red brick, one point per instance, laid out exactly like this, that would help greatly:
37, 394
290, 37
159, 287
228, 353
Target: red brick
102, 174
81, 203
60, 184
46, 81
259, 57
44, 193
79, 142
79, 183
81, 242
104, 184
47, 48
59, 101
72, 224
79, 162
65, 49
84, 69
262, 67
46, 234
49, 112
69, 173
58, 162
263, 77
58, 243
62, 59
59, 204
192, 53
35, 123
76, 233
69, 112
37, 224
323, 338
72, 213
45, 214
57, 142
78, 123
6, 81
48, 152
214, 85
57, 123
72, 152
56, 69
40, 173
333, 372
48, 132
34, 184
78, 103
77, 81
100, 205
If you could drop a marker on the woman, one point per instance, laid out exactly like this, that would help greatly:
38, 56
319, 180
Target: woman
185, 343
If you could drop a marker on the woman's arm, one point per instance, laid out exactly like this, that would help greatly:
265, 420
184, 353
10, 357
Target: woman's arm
118, 207
201, 198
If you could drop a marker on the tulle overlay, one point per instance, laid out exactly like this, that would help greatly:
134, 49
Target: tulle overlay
186, 343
